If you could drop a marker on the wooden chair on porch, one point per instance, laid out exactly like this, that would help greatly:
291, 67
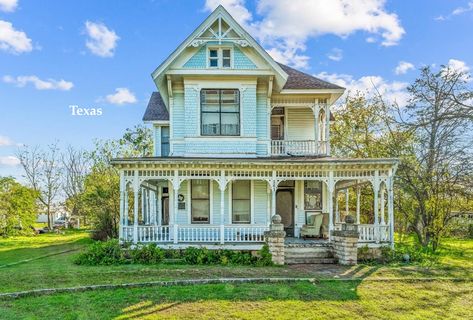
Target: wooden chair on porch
312, 229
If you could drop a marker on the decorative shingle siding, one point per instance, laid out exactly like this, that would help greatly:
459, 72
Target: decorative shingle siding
192, 109
241, 61
248, 108
260, 202
197, 61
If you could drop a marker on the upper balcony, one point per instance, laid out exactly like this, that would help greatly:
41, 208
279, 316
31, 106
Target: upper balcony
300, 129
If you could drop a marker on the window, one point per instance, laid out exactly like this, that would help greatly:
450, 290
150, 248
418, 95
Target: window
200, 201
213, 58
241, 201
164, 141
220, 58
226, 58
220, 112
313, 195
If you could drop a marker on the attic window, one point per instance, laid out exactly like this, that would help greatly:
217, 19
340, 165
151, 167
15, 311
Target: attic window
220, 58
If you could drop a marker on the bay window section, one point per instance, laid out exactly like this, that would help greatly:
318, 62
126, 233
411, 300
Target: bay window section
241, 201
220, 112
200, 201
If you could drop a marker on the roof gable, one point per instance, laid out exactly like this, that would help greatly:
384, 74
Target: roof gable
226, 29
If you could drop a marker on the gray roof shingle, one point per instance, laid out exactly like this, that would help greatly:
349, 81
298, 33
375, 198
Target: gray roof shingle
301, 80
156, 110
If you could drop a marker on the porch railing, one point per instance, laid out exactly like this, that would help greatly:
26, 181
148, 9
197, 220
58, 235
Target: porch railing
297, 147
196, 234
368, 233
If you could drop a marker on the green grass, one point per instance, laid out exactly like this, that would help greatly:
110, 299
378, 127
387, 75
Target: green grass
326, 299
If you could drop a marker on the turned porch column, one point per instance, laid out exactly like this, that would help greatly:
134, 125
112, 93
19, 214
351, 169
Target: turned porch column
330, 189
327, 128
122, 205
376, 206
222, 186
347, 199
337, 209
316, 126
383, 188
160, 209
358, 198
136, 190
175, 185
391, 210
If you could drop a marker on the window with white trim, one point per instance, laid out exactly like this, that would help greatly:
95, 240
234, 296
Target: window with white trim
220, 58
241, 201
200, 201
220, 112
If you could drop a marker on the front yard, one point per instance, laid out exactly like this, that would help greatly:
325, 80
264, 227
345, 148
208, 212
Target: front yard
365, 291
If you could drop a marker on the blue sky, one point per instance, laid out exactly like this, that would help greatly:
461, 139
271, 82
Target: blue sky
100, 54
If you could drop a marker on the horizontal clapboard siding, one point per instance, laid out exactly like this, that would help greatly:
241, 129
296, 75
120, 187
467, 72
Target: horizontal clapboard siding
300, 124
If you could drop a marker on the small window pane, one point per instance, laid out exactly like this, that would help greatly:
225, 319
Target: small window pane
210, 123
230, 123
241, 211
226, 63
213, 63
200, 189
213, 53
241, 189
226, 53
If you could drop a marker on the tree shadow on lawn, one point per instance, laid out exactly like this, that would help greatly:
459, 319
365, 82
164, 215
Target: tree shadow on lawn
139, 302
17, 255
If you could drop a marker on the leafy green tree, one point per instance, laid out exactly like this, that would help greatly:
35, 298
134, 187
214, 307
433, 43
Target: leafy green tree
18, 208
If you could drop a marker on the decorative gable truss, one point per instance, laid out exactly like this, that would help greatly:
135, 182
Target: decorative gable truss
219, 32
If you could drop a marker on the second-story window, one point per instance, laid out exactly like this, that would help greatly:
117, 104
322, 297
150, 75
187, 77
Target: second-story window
220, 112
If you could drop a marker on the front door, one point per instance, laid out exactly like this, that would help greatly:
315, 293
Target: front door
285, 208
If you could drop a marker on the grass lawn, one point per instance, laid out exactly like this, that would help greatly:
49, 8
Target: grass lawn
325, 299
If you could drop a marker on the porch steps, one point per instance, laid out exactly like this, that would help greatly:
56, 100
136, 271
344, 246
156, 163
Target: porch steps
310, 253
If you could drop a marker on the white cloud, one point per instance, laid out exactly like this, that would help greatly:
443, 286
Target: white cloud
121, 96
102, 41
49, 84
285, 27
335, 55
456, 12
458, 65
12, 40
5, 141
8, 5
394, 91
9, 161
403, 67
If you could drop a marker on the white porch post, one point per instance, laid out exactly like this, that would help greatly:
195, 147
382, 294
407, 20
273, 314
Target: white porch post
125, 222
136, 190
274, 188
122, 205
383, 188
153, 207
347, 206
222, 185
316, 126
330, 189
327, 128
391, 210
159, 211
175, 185
337, 209
358, 196
143, 203
376, 206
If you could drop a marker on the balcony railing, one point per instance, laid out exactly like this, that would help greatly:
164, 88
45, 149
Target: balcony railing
298, 147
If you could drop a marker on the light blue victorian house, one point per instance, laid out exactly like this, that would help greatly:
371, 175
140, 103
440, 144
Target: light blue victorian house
238, 138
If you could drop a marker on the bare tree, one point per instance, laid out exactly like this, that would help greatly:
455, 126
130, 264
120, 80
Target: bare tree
436, 171
76, 166
43, 172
